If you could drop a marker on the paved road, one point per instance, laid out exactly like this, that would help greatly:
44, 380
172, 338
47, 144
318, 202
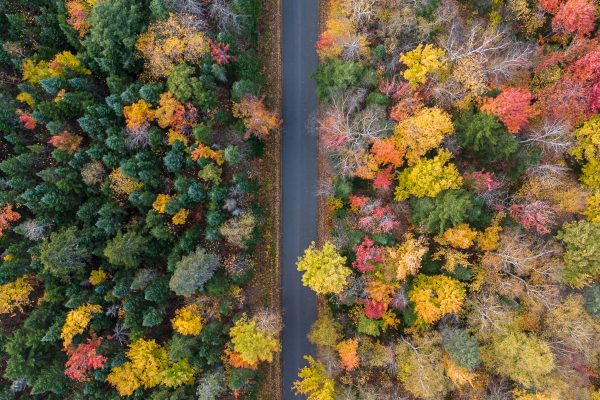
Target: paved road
299, 180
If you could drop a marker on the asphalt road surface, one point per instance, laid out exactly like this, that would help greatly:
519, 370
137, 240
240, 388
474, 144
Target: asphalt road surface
300, 29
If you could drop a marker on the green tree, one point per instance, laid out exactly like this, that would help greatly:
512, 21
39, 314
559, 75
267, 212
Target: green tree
334, 76
591, 294
449, 209
110, 43
126, 249
64, 253
485, 136
582, 255
192, 272
462, 347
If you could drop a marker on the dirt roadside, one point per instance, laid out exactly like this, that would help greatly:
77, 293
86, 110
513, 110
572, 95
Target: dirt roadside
268, 274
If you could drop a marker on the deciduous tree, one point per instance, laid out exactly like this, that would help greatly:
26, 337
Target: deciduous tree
325, 269
436, 296
315, 382
428, 177
259, 121
422, 132
170, 42
513, 107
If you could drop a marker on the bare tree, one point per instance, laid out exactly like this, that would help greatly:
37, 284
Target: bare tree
362, 11
552, 136
348, 133
498, 55
194, 7
138, 138
226, 18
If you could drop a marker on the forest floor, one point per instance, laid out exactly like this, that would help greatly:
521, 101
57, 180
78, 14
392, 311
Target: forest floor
267, 282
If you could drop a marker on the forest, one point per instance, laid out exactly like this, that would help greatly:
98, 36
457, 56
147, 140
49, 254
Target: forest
461, 257
130, 134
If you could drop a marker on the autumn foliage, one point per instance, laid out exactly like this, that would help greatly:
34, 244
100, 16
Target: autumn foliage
258, 120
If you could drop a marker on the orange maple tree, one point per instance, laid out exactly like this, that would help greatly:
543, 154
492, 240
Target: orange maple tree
259, 121
513, 107
7, 215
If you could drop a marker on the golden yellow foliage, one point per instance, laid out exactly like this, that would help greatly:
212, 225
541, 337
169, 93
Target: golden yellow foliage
315, 382
26, 98
148, 365
592, 211
461, 237
203, 151
180, 216
405, 259
122, 184
489, 239
174, 136
325, 269
15, 295
188, 320
436, 296
76, 322
59, 66
422, 61
169, 42
422, 132
452, 258
459, 376
97, 276
251, 343
167, 106
588, 140
138, 115
160, 204
428, 177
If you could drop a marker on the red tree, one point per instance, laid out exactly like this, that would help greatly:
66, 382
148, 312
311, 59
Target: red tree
220, 52
83, 359
28, 121
513, 107
536, 216
375, 309
575, 16
366, 255
66, 141
384, 179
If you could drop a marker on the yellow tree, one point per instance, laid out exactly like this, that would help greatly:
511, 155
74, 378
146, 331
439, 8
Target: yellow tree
15, 295
422, 132
347, 350
436, 296
315, 382
148, 365
325, 269
76, 322
169, 42
138, 115
423, 61
461, 237
252, 342
428, 177
187, 320
405, 259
